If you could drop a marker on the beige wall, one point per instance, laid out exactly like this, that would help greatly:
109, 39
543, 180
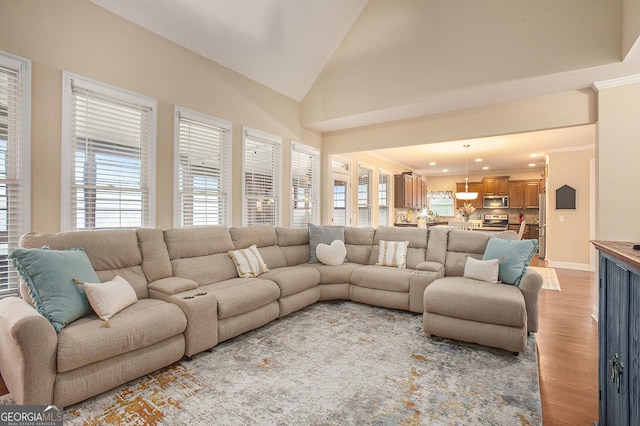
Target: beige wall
568, 230
82, 38
630, 25
379, 67
618, 152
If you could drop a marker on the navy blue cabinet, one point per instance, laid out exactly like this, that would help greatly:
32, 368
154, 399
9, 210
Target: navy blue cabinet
619, 334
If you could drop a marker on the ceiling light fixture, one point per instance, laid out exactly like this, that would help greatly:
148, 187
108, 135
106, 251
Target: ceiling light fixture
466, 195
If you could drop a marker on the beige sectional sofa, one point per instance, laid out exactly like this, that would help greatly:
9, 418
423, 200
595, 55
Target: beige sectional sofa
190, 298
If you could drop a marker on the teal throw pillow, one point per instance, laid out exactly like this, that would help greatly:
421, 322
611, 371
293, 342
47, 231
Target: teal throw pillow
49, 277
324, 235
514, 255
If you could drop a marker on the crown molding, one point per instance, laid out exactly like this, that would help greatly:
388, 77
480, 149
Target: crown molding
616, 82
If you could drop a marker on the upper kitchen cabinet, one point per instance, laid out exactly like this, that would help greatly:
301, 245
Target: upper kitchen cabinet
523, 194
498, 185
410, 191
473, 187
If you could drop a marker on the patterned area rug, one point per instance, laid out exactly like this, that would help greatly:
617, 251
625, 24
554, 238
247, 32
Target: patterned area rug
549, 276
331, 363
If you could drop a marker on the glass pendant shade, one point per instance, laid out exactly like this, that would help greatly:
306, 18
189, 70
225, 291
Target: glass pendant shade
466, 195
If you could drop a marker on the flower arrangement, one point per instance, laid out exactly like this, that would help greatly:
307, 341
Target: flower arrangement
466, 210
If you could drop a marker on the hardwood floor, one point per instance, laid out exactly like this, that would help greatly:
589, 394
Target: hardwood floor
567, 351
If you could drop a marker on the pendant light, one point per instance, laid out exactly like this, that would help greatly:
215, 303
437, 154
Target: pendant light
466, 195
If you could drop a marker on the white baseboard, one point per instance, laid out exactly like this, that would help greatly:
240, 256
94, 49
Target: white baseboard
569, 265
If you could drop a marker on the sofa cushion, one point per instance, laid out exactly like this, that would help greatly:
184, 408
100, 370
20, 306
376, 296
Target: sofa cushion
322, 234
258, 235
514, 256
248, 262
293, 279
340, 274
483, 270
358, 241
393, 253
331, 254
142, 324
241, 295
109, 298
155, 257
475, 300
381, 278
49, 277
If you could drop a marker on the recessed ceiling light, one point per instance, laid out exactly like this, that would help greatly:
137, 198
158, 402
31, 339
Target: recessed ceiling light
478, 160
532, 164
533, 155
433, 163
485, 168
445, 170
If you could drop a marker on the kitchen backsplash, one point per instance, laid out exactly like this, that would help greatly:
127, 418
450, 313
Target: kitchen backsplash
528, 215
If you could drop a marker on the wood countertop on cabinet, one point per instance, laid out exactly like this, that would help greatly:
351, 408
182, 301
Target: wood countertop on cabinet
620, 250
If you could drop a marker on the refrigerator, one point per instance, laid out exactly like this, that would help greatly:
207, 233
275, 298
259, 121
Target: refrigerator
542, 223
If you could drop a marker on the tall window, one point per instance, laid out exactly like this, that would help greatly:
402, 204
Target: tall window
384, 184
365, 195
203, 169
15, 87
108, 154
262, 176
305, 185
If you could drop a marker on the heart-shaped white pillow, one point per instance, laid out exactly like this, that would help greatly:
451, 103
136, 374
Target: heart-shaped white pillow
332, 254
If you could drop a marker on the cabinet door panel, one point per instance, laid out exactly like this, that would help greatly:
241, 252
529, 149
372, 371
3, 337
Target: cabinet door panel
634, 350
616, 332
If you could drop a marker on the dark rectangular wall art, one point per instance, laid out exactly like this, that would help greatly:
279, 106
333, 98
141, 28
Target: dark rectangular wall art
565, 198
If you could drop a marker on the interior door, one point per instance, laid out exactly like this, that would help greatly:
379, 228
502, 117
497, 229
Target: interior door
341, 209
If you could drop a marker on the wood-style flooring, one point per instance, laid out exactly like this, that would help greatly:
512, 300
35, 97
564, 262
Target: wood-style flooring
567, 350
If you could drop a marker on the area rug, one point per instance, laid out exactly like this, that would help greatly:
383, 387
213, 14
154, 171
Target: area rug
549, 276
338, 363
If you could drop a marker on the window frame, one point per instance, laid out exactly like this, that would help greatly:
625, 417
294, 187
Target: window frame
389, 193
68, 80
22, 165
297, 147
371, 196
248, 132
205, 119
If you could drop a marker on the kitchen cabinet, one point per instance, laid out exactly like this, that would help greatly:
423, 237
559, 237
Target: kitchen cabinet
618, 334
473, 187
532, 190
496, 185
410, 191
516, 194
523, 194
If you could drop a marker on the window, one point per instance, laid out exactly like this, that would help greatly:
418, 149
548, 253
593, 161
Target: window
108, 156
15, 125
202, 171
305, 185
262, 176
441, 203
384, 180
365, 196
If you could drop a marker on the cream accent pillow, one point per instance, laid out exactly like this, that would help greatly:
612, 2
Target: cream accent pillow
248, 262
331, 254
483, 270
109, 298
393, 253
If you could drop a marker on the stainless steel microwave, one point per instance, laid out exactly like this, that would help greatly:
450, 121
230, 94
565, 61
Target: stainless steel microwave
496, 202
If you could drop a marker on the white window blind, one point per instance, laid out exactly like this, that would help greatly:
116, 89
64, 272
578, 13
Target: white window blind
305, 185
365, 196
203, 169
111, 155
262, 177
15, 85
384, 180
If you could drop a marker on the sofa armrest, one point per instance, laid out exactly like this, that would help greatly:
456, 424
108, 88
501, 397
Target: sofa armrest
429, 266
201, 310
418, 282
530, 286
173, 285
28, 346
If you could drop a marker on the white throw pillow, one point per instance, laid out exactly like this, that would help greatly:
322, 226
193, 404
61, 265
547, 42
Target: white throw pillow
483, 270
393, 253
109, 298
331, 254
248, 262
